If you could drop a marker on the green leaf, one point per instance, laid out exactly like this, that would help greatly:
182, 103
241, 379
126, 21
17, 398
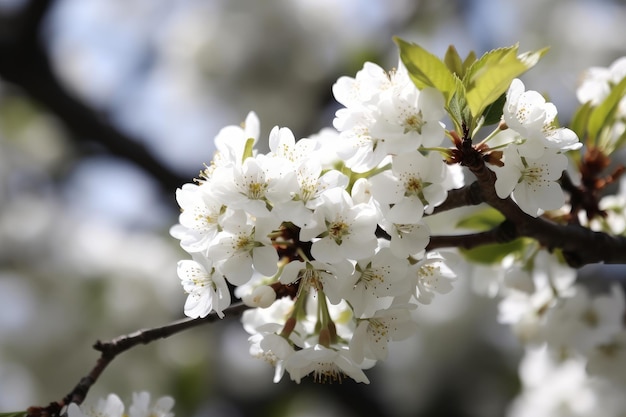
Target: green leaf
493, 112
469, 60
453, 61
494, 252
15, 414
425, 69
619, 142
490, 76
484, 219
605, 111
457, 107
581, 119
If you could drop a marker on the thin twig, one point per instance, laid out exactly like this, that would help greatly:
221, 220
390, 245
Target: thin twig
111, 349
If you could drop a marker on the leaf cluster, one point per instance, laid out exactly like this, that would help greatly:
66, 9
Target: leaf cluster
474, 88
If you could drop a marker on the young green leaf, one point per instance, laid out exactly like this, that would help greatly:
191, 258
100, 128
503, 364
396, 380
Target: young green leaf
481, 220
457, 107
469, 60
493, 112
605, 111
494, 252
581, 119
453, 61
425, 69
490, 76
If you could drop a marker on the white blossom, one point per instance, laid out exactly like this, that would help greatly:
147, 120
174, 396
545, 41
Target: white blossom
113, 406
206, 287
325, 364
531, 182
344, 230
199, 220
528, 114
373, 334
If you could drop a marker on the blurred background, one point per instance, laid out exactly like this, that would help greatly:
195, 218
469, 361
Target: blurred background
106, 107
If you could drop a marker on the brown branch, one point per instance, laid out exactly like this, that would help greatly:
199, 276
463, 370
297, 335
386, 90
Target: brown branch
580, 245
110, 350
470, 195
503, 233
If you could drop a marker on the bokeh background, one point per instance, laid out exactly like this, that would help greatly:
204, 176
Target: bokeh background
106, 107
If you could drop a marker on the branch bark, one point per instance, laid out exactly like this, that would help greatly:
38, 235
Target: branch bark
580, 246
111, 349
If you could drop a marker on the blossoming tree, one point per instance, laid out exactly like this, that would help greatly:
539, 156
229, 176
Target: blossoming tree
325, 245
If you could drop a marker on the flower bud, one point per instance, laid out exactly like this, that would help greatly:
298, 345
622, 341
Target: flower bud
262, 296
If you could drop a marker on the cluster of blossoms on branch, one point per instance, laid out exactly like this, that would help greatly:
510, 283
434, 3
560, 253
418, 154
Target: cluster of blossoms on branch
328, 240
326, 236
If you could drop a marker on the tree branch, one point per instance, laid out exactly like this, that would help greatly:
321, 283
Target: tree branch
470, 195
580, 245
503, 233
110, 350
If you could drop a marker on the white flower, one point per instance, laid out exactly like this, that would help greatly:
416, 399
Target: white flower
244, 245
414, 181
406, 238
528, 114
273, 349
254, 186
532, 182
344, 230
283, 145
385, 114
373, 334
114, 407
561, 388
326, 364
375, 282
206, 287
311, 184
581, 322
199, 220
271, 319
615, 208
361, 90
141, 406
231, 141
262, 296
111, 407
433, 274
608, 360
596, 82
409, 118
525, 304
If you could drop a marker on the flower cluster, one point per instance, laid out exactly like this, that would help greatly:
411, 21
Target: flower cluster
113, 406
324, 235
533, 157
574, 336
